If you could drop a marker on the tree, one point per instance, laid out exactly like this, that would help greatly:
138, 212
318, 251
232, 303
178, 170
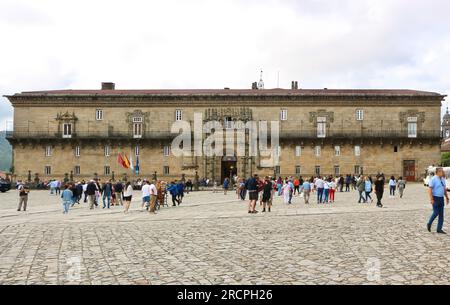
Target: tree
445, 159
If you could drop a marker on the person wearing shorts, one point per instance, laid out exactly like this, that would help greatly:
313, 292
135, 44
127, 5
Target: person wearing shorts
252, 187
267, 195
127, 196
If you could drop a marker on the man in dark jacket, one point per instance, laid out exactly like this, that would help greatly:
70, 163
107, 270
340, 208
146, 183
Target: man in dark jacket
107, 193
118, 188
90, 192
379, 190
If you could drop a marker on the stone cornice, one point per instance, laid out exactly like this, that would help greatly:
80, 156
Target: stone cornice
232, 100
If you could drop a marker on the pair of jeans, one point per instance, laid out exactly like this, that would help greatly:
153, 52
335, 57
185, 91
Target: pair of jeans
66, 205
279, 187
326, 193
392, 190
361, 197
368, 196
243, 194
108, 199
438, 211
319, 195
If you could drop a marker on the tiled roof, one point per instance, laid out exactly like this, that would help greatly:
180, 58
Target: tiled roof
248, 92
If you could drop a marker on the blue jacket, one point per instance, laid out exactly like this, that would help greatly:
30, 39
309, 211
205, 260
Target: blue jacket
173, 189
66, 195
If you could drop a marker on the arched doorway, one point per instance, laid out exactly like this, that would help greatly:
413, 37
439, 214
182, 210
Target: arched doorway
229, 167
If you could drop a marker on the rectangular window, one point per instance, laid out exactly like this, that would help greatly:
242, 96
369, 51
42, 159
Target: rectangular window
138, 119
396, 149
412, 127
318, 151
278, 170
317, 171
166, 170
107, 170
67, 130
99, 115
77, 151
337, 151
107, 151
360, 115
166, 151
48, 170
137, 130
178, 115
298, 170
321, 127
359, 170
228, 122
77, 170
298, 151
357, 150
337, 170
137, 151
48, 151
283, 115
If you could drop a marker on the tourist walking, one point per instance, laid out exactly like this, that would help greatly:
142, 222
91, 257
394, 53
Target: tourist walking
392, 186
326, 191
332, 185
173, 190
279, 185
368, 189
127, 196
267, 194
252, 189
67, 198
226, 186
287, 193
319, 186
107, 193
401, 185
379, 190
118, 188
437, 191
348, 180
361, 190
306, 188
91, 191
145, 189
296, 186
153, 196
23, 197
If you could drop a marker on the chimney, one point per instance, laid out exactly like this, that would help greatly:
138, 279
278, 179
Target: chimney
294, 85
255, 86
108, 86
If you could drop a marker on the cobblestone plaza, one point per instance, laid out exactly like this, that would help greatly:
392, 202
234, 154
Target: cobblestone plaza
210, 239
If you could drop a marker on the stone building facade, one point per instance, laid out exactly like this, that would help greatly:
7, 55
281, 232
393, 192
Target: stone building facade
80, 133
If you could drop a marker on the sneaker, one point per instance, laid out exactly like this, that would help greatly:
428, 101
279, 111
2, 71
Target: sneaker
429, 227
442, 232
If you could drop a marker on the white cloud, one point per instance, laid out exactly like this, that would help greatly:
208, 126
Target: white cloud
53, 44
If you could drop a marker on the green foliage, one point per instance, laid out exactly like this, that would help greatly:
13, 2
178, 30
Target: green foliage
445, 159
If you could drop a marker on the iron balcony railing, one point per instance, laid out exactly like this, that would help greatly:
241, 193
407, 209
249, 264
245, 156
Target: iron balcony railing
360, 134
284, 134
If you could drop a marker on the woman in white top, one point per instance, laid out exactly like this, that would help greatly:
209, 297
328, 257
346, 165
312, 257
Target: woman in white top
127, 196
392, 186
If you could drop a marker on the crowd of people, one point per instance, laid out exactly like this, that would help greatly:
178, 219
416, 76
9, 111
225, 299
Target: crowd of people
324, 188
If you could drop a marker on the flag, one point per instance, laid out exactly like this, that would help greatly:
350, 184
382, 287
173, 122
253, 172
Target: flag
121, 161
126, 162
131, 163
136, 168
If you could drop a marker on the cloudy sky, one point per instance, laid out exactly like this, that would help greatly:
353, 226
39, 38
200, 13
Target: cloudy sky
56, 44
